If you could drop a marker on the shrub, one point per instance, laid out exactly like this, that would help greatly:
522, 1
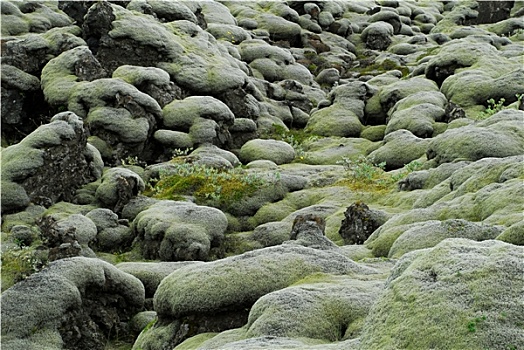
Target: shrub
363, 174
20, 263
209, 186
495, 107
294, 137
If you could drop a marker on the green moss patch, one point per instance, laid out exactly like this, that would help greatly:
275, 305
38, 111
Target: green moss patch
209, 186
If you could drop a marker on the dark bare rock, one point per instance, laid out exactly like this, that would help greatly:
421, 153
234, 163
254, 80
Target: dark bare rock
309, 230
359, 223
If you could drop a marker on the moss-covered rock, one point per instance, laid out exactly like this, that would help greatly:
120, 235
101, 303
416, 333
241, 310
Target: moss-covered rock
398, 149
279, 152
430, 233
513, 234
56, 151
500, 137
390, 94
173, 231
330, 150
418, 118
334, 120
378, 35
48, 308
175, 298
118, 187
331, 310
112, 235
458, 280
152, 273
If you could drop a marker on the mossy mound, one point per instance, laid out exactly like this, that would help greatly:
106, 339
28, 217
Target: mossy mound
460, 281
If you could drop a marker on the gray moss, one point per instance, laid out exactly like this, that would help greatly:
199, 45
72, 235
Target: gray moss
334, 120
430, 233
279, 152
392, 93
118, 186
152, 273
373, 133
181, 114
513, 234
143, 29
239, 281
332, 310
36, 309
14, 196
119, 121
174, 231
330, 150
88, 95
136, 75
399, 148
479, 141
59, 76
460, 281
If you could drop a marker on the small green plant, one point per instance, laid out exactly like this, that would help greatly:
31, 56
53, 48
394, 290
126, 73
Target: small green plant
178, 152
209, 186
363, 174
20, 263
472, 324
295, 138
408, 168
130, 161
495, 107
363, 169
492, 108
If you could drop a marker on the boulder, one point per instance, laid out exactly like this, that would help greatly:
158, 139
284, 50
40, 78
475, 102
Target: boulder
74, 303
419, 119
272, 233
49, 164
152, 273
118, 187
460, 281
31, 52
174, 231
335, 120
398, 149
204, 118
150, 80
378, 35
513, 234
498, 136
68, 236
19, 91
278, 152
309, 230
360, 222
330, 310
390, 94
113, 234
430, 233
222, 292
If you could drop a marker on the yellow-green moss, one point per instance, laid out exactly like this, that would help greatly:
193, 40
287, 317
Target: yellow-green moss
215, 187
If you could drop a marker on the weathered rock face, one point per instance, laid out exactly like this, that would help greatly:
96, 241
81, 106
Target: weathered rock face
76, 303
49, 164
360, 222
